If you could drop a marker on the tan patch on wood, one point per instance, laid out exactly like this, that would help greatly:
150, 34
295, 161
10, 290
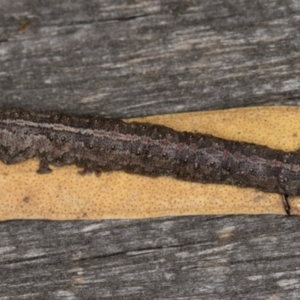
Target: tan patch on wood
64, 194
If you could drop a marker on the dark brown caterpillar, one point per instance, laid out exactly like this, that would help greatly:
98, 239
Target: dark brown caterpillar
100, 145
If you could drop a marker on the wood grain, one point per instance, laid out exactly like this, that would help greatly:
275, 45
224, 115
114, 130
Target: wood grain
126, 59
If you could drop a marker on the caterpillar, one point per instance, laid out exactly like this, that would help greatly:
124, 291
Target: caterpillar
96, 144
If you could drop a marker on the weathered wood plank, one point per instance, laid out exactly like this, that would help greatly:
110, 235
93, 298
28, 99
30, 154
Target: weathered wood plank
139, 58
168, 258
130, 58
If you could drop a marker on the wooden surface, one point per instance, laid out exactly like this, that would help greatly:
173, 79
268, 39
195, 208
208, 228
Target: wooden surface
125, 59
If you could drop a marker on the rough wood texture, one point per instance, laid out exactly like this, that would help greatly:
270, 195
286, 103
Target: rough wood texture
124, 59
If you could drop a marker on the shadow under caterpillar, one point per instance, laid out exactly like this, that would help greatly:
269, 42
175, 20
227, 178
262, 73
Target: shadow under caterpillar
100, 145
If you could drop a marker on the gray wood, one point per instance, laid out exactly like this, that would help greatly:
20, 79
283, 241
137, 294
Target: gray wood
134, 58
168, 258
126, 58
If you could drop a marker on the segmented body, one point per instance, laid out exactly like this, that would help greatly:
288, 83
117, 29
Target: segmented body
101, 145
